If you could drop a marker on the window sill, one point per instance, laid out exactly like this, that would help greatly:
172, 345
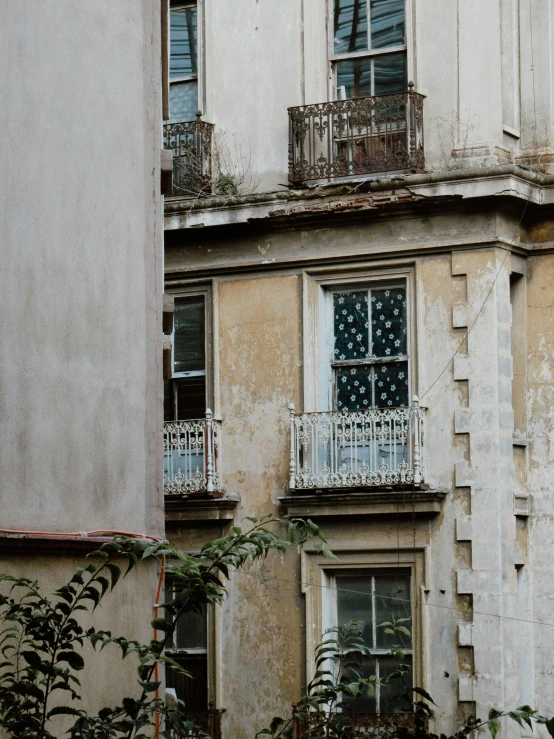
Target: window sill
180, 508
383, 502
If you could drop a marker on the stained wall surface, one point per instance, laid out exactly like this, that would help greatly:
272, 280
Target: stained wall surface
481, 556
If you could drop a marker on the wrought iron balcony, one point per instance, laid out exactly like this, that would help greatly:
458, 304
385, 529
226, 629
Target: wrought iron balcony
354, 449
191, 456
191, 143
353, 725
344, 138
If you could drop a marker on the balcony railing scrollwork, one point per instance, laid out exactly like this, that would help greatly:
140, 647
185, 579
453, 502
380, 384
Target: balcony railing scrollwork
191, 456
345, 138
191, 143
355, 449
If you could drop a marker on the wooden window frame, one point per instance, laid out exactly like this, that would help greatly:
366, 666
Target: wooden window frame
372, 361
206, 292
317, 576
371, 54
317, 340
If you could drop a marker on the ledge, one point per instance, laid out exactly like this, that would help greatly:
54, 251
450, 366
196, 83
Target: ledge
382, 502
374, 192
51, 543
179, 508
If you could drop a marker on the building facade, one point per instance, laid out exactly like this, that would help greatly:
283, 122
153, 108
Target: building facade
81, 286
359, 249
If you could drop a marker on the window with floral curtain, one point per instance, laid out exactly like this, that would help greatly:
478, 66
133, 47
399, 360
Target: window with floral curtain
370, 348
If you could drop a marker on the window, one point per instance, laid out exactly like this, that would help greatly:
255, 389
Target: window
183, 62
372, 598
369, 47
185, 393
190, 649
369, 361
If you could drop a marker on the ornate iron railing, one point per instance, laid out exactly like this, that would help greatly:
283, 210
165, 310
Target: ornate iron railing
360, 725
191, 143
191, 456
353, 449
343, 138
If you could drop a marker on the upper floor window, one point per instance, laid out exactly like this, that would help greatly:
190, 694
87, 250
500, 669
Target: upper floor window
369, 47
185, 393
183, 62
369, 361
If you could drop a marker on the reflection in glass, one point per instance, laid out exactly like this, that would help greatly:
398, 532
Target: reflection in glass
189, 348
390, 74
350, 21
354, 76
183, 101
387, 23
183, 46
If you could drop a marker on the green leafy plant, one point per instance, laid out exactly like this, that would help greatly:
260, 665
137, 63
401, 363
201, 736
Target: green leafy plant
325, 711
42, 639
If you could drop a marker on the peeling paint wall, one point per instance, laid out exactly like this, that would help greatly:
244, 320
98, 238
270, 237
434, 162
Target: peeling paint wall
485, 562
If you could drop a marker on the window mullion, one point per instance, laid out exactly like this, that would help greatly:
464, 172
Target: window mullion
368, 15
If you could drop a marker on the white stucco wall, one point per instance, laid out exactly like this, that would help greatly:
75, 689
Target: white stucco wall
483, 66
80, 275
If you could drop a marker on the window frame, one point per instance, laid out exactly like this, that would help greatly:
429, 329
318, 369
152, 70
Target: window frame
318, 572
212, 644
316, 385
331, 609
206, 292
334, 58
199, 77
190, 77
370, 360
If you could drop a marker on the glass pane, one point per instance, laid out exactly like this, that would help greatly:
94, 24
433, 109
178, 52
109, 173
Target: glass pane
354, 388
193, 691
392, 600
355, 77
388, 322
391, 385
168, 401
390, 73
387, 23
191, 397
391, 702
192, 631
350, 25
189, 337
354, 604
183, 101
351, 324
364, 703
183, 46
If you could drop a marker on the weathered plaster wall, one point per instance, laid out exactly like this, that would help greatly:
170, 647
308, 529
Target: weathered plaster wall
261, 622
540, 426
81, 259
472, 547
